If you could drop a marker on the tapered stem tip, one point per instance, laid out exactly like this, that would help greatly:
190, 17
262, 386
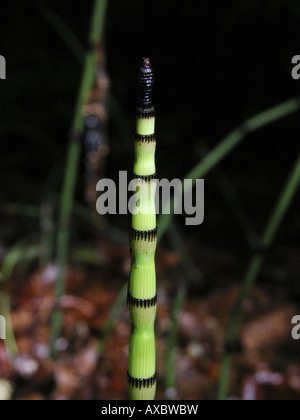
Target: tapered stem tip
146, 79
146, 63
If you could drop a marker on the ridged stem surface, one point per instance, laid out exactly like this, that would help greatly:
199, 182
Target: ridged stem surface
142, 298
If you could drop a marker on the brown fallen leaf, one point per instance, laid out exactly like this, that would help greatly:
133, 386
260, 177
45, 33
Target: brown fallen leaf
268, 330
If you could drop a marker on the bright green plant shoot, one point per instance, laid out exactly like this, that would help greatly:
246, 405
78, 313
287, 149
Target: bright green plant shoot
142, 298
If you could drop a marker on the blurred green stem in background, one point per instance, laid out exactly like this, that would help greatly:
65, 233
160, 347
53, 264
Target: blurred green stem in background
228, 144
170, 375
178, 242
247, 227
252, 273
194, 277
21, 254
96, 34
20, 209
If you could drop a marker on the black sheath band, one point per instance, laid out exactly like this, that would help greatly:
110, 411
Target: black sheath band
145, 139
147, 235
145, 178
141, 303
141, 383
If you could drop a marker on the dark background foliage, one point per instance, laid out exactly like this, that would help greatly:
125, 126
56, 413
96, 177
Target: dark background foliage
216, 63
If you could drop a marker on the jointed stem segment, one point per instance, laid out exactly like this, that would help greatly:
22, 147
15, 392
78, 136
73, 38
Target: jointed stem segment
142, 298
70, 179
256, 264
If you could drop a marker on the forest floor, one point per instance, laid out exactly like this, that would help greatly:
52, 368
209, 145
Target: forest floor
91, 366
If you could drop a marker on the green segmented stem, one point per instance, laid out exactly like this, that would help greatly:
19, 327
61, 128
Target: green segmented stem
71, 171
142, 286
145, 125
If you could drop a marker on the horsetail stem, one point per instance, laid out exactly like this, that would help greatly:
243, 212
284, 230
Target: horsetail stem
72, 166
228, 144
142, 298
279, 213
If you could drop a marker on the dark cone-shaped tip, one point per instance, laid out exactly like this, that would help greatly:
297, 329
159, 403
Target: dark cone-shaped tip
146, 84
